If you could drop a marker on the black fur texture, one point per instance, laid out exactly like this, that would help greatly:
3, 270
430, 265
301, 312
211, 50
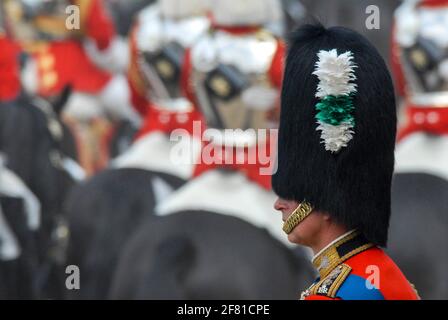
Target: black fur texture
353, 185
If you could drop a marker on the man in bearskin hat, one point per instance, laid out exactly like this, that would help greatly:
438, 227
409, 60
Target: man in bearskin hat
335, 163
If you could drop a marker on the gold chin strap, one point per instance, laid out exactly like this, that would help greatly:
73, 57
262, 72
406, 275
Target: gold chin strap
302, 211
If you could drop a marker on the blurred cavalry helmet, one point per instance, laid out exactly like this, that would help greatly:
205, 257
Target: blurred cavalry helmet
421, 48
238, 67
163, 32
245, 12
178, 9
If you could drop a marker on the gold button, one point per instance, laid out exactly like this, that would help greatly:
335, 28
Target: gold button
49, 79
46, 62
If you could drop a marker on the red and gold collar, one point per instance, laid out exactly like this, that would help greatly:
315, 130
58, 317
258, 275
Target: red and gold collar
338, 251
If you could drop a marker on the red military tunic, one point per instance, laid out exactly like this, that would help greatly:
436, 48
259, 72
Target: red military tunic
65, 62
351, 268
9, 69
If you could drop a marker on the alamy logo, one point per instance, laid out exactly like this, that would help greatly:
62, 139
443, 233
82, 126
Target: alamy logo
373, 280
72, 282
373, 20
229, 146
73, 21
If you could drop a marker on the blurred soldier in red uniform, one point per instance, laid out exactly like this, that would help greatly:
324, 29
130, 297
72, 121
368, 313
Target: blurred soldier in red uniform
160, 36
233, 75
335, 163
420, 65
63, 54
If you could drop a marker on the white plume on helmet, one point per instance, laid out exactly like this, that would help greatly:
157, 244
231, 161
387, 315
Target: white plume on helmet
178, 9
245, 12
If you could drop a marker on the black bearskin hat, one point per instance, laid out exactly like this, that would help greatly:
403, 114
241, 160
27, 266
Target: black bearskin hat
336, 152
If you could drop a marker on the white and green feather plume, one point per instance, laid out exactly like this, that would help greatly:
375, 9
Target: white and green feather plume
335, 90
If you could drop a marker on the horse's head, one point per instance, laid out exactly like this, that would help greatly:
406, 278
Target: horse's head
41, 150
38, 146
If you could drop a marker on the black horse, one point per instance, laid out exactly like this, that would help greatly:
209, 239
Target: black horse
17, 273
204, 255
37, 147
103, 212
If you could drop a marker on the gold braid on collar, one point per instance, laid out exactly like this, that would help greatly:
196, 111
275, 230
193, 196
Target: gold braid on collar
348, 246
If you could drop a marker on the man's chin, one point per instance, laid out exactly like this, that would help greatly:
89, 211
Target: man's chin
293, 237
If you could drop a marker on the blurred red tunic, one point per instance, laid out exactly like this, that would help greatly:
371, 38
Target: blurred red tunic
61, 63
9, 69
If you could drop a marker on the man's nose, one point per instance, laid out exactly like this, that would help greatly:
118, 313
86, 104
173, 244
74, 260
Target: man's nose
278, 205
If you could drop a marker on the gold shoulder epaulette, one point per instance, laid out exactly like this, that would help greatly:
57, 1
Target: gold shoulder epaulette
330, 285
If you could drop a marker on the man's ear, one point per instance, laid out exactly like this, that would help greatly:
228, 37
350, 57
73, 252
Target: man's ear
327, 216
